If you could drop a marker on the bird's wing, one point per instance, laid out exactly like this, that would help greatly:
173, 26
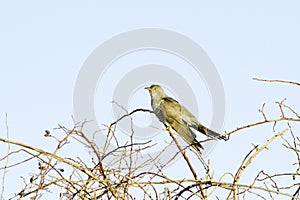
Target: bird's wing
173, 113
160, 114
190, 119
193, 122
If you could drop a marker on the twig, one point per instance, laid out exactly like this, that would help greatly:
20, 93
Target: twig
7, 158
248, 161
263, 122
129, 114
277, 81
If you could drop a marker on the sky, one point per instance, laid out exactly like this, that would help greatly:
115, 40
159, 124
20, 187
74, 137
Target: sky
45, 45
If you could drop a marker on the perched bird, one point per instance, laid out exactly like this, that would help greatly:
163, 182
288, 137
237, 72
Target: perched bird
171, 113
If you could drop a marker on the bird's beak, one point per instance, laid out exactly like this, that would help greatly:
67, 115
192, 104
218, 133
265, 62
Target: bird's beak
148, 88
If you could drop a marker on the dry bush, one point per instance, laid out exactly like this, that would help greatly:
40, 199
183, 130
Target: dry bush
75, 178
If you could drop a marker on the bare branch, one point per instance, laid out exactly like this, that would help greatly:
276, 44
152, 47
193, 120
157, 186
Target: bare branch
277, 81
116, 172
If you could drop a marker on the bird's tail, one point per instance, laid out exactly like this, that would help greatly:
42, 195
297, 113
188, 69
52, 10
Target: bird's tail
190, 138
210, 133
197, 146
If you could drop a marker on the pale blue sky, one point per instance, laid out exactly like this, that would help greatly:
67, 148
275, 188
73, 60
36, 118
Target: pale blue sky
43, 46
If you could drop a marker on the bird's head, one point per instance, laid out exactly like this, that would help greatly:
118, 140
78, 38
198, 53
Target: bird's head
156, 90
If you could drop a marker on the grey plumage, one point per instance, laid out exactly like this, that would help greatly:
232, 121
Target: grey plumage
171, 113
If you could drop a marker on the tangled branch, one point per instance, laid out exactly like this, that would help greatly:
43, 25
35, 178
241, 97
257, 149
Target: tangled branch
117, 173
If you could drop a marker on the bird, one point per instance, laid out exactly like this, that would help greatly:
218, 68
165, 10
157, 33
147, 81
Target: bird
172, 114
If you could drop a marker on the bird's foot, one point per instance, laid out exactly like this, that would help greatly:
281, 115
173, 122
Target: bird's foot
168, 128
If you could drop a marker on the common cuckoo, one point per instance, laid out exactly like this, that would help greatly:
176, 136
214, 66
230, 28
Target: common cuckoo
171, 113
